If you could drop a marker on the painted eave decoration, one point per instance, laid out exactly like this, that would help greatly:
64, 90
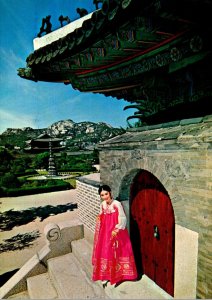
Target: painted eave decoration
154, 54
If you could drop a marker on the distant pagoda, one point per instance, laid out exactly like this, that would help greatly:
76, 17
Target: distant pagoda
41, 144
52, 171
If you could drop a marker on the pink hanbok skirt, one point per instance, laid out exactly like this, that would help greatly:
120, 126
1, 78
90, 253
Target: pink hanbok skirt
112, 258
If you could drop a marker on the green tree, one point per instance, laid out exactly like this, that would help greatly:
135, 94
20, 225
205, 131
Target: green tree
20, 165
9, 146
16, 168
6, 159
9, 180
41, 161
62, 160
95, 155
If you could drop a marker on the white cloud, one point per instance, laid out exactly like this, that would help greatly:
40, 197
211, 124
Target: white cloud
11, 119
10, 59
72, 100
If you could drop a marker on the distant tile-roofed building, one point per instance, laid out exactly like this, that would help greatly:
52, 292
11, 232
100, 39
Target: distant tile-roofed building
41, 144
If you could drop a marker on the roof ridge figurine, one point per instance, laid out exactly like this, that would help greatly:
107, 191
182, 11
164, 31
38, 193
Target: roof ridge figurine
46, 26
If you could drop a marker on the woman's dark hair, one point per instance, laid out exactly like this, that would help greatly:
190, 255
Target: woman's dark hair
104, 187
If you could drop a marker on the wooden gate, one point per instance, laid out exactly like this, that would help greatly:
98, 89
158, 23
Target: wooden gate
152, 230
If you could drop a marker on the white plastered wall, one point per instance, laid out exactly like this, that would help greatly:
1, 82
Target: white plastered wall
186, 253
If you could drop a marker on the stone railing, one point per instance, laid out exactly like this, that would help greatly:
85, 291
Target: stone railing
59, 237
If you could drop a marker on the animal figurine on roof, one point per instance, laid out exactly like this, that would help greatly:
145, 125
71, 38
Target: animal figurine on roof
82, 12
62, 19
96, 3
46, 26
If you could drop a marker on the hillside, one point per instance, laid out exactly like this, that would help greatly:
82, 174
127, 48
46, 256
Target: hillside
83, 135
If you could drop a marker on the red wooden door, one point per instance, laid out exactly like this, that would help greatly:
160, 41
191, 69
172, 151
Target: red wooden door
153, 220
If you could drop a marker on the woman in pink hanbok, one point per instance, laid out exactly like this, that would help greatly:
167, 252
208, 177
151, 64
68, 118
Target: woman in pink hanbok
113, 258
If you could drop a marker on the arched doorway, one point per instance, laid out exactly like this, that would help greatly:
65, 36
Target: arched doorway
152, 230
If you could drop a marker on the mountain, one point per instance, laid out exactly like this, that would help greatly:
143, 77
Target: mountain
82, 135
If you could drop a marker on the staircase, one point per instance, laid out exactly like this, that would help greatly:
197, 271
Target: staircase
67, 277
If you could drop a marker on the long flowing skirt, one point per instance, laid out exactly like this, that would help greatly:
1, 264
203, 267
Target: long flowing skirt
112, 258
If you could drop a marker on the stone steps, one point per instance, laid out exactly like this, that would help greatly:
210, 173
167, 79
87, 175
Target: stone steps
41, 287
145, 288
82, 250
21, 296
69, 277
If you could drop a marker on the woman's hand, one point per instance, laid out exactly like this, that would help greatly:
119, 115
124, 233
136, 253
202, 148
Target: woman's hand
114, 232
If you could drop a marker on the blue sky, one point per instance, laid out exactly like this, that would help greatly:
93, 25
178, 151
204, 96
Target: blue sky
25, 103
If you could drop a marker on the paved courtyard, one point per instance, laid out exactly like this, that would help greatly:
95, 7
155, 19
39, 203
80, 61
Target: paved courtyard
11, 260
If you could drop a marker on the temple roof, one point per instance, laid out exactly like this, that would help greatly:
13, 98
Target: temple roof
154, 54
42, 143
191, 133
44, 137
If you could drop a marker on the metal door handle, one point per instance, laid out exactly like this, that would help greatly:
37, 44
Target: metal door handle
156, 232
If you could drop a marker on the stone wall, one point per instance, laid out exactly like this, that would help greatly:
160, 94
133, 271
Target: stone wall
88, 200
180, 156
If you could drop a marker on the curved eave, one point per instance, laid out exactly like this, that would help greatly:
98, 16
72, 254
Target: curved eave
117, 53
105, 20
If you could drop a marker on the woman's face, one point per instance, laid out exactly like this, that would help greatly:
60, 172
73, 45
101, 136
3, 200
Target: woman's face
105, 195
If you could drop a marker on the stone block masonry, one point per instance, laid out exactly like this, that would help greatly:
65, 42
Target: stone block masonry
88, 200
179, 155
